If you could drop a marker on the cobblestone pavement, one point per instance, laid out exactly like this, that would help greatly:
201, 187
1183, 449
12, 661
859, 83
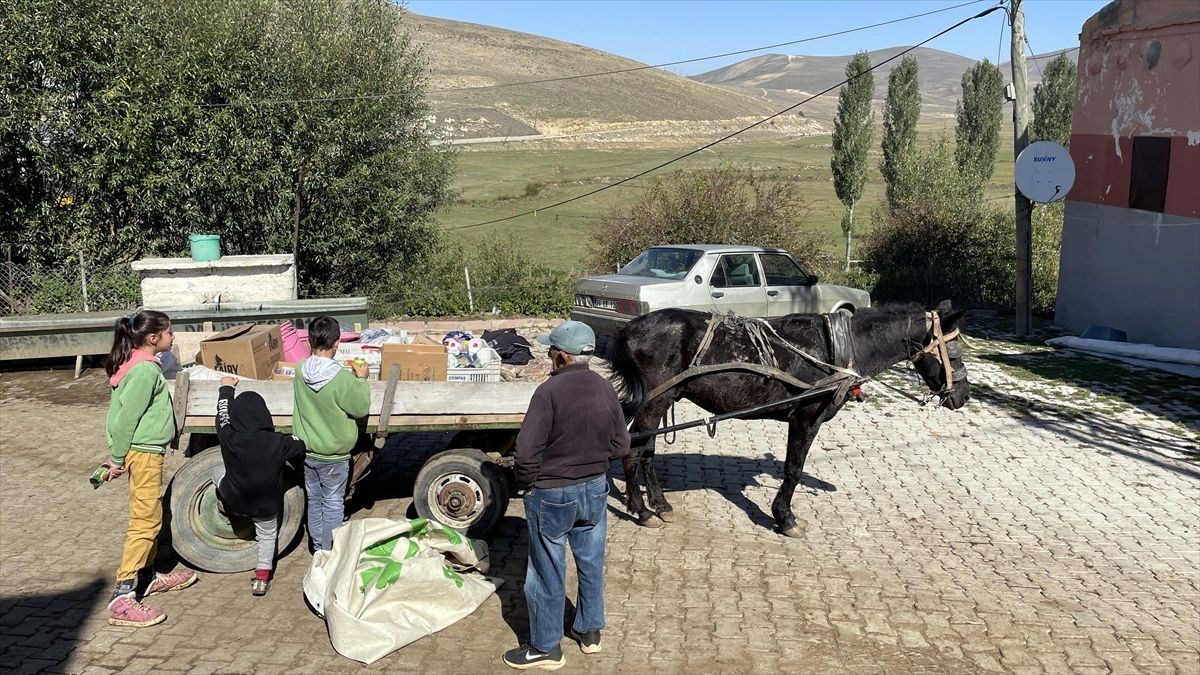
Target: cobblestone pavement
936, 541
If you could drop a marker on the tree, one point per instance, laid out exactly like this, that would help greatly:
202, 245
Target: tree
900, 114
939, 239
977, 134
1053, 102
852, 138
135, 124
725, 204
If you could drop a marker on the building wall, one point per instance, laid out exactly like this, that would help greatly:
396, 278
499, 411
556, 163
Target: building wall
175, 282
1131, 236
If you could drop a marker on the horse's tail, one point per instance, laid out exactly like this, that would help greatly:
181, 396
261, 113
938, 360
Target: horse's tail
627, 375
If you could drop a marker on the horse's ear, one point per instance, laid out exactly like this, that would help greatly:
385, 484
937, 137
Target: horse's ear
944, 307
953, 320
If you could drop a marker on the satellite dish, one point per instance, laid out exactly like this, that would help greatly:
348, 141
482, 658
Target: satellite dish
1045, 172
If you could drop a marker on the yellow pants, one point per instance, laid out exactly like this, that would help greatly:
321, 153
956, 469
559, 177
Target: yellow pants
145, 473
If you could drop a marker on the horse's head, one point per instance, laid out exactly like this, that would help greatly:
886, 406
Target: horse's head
939, 360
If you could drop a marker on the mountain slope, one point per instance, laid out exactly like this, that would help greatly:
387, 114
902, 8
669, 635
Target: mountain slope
783, 79
471, 55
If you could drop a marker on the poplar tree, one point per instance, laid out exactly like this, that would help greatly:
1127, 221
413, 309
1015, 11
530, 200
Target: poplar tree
1053, 102
851, 139
977, 134
900, 113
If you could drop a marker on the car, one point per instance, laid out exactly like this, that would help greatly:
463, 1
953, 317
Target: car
747, 280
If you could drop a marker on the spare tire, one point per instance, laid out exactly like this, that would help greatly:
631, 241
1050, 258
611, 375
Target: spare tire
208, 540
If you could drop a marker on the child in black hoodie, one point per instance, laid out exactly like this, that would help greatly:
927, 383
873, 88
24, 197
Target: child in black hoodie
250, 483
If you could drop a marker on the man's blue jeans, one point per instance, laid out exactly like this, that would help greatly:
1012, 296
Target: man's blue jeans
577, 513
325, 485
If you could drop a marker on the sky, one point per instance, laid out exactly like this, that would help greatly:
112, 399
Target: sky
654, 31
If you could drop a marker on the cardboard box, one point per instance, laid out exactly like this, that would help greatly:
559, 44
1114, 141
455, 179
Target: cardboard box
284, 370
250, 350
419, 363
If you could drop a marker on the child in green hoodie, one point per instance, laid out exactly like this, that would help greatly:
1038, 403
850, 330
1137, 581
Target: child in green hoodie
328, 401
140, 424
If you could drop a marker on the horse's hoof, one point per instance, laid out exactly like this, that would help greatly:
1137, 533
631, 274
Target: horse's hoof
794, 532
667, 516
650, 520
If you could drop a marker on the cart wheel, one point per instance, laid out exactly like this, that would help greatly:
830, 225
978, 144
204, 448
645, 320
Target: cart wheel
208, 540
462, 489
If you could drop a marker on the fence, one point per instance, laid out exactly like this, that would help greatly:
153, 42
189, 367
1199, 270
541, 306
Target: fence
34, 289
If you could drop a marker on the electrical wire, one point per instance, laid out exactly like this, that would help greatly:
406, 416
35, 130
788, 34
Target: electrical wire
735, 133
565, 78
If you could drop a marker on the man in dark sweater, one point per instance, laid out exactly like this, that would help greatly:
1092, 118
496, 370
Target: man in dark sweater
573, 428
249, 481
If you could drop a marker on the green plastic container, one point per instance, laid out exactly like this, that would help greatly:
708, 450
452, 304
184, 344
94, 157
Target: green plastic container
205, 247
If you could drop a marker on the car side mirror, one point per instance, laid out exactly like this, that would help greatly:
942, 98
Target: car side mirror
699, 279
811, 280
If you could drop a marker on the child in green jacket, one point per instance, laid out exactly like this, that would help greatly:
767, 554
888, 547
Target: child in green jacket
328, 401
140, 424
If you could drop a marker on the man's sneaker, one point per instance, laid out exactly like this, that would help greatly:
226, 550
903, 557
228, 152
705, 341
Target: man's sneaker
589, 641
174, 581
126, 611
260, 582
526, 657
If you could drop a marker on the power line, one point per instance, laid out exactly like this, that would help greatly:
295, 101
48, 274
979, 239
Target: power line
739, 131
367, 97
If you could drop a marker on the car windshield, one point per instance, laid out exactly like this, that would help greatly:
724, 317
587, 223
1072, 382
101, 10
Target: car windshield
662, 263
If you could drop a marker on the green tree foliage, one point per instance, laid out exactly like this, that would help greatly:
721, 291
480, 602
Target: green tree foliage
721, 205
938, 239
1053, 102
852, 138
126, 126
900, 114
977, 134
503, 276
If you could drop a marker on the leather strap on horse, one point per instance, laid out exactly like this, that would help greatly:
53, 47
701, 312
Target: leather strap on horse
697, 371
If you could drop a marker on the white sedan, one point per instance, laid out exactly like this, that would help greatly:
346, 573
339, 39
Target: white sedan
749, 280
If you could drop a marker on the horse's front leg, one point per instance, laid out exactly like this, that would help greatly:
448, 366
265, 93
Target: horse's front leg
802, 429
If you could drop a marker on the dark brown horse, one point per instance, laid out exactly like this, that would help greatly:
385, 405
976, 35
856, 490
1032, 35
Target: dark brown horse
654, 348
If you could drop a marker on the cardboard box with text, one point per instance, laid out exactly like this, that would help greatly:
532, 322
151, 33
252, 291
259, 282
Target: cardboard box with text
250, 350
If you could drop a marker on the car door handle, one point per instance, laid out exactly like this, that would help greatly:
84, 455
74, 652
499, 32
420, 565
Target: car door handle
772, 293
718, 294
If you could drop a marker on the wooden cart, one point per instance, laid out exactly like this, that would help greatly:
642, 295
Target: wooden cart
466, 487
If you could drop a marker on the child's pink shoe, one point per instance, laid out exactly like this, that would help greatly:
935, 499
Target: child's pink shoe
171, 582
126, 611
260, 583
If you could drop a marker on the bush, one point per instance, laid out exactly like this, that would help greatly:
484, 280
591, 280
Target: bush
57, 290
722, 205
532, 189
503, 277
939, 239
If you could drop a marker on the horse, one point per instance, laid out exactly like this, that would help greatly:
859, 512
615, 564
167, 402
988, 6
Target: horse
656, 347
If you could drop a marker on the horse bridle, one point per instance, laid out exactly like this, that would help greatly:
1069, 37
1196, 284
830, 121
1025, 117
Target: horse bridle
943, 348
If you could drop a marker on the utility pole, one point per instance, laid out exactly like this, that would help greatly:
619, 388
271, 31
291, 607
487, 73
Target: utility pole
1021, 115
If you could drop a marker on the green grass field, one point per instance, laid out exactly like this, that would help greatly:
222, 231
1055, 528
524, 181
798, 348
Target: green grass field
491, 183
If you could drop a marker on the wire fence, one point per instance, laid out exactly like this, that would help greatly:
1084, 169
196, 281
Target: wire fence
37, 289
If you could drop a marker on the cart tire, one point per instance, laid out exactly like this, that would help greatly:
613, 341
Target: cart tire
462, 489
210, 541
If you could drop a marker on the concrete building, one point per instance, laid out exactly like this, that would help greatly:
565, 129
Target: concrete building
1131, 236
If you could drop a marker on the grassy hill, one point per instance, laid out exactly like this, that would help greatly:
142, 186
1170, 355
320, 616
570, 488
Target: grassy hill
471, 55
783, 79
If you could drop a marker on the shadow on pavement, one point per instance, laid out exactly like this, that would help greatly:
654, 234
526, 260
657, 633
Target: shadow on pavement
46, 626
1101, 432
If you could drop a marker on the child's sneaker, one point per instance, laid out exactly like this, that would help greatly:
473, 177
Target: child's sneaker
260, 583
589, 641
126, 611
174, 581
526, 657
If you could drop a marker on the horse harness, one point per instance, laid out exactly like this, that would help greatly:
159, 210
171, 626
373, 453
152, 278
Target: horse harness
843, 380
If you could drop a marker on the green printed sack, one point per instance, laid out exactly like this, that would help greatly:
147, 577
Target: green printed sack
387, 583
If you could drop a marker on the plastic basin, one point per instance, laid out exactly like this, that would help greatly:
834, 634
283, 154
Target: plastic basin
205, 247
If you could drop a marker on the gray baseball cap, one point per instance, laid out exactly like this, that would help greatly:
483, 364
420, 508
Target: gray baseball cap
571, 337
